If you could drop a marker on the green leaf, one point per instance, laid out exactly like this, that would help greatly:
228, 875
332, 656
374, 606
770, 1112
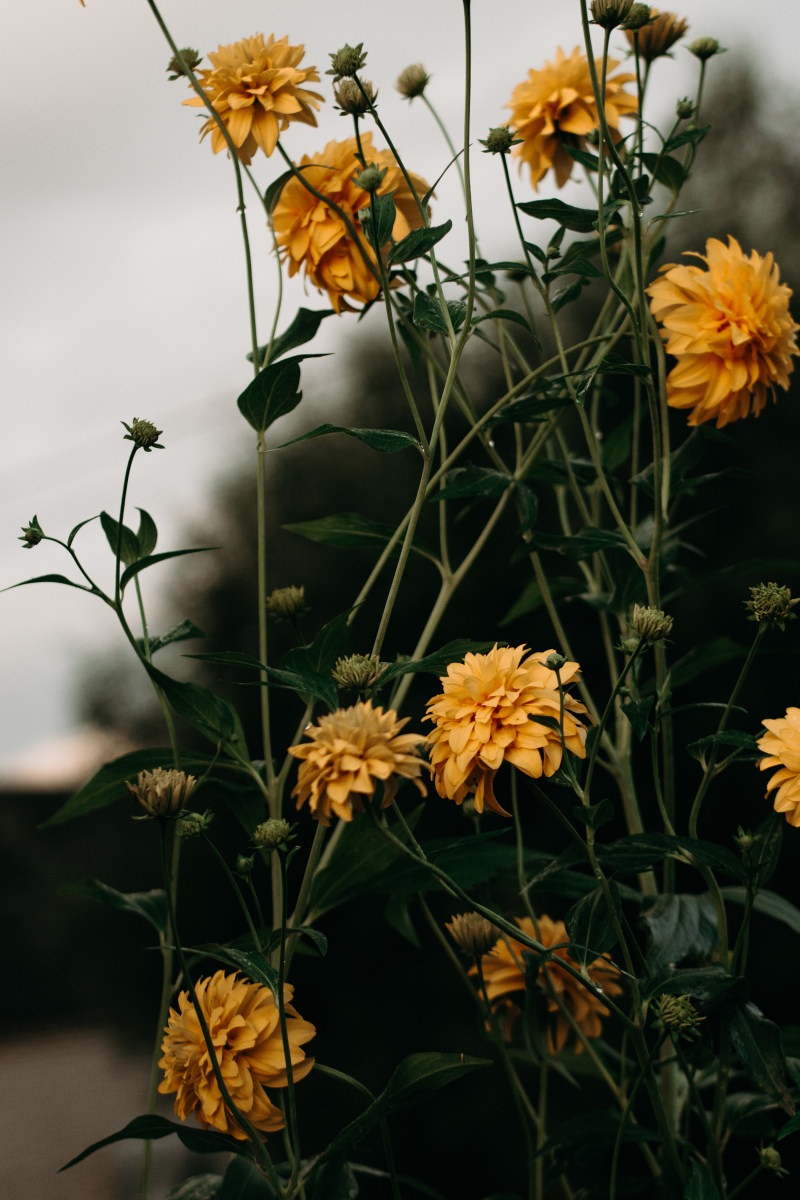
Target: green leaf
573, 266
666, 170
702, 658
362, 856
150, 1128
580, 220
352, 531
680, 926
377, 220
108, 785
429, 314
685, 138
418, 242
214, 717
590, 924
388, 441
531, 598
730, 737
231, 658
334, 1180
530, 408
790, 1127
566, 295
253, 965
179, 633
306, 683
594, 816
764, 855
768, 903
198, 1187
152, 559
129, 544
590, 161
473, 481
147, 534
578, 546
48, 579
320, 656
273, 393
637, 713
700, 1184
152, 906
302, 330
273, 192
438, 661
76, 528
503, 314
712, 985
637, 852
757, 1042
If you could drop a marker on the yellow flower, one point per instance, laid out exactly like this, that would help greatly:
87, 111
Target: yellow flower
349, 750
503, 971
660, 35
243, 1021
487, 713
782, 744
556, 107
312, 235
730, 329
256, 89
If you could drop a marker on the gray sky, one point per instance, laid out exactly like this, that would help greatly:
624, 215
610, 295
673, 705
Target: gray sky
122, 288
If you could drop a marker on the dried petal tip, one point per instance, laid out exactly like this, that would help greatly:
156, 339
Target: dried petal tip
412, 82
287, 603
651, 624
610, 13
162, 793
273, 834
143, 434
354, 101
499, 141
678, 1015
770, 604
359, 672
346, 62
639, 16
472, 933
31, 534
705, 48
175, 68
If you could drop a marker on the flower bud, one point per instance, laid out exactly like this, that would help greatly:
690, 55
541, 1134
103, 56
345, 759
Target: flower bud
143, 434
360, 672
745, 840
684, 109
287, 603
346, 62
771, 1160
651, 624
273, 834
412, 81
499, 141
472, 933
638, 17
555, 661
371, 178
705, 48
194, 823
658, 35
244, 866
351, 99
770, 604
162, 793
31, 534
610, 13
192, 59
678, 1015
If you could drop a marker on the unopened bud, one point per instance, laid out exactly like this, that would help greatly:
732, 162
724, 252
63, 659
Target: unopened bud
651, 624
287, 603
658, 35
353, 99
412, 81
638, 17
346, 62
555, 661
770, 604
472, 933
610, 13
192, 824
705, 48
499, 141
176, 68
244, 866
162, 793
31, 534
272, 834
771, 1160
678, 1015
371, 178
143, 434
360, 672
684, 109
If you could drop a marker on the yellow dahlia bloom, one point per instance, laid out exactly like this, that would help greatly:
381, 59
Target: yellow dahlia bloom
660, 35
487, 714
256, 89
243, 1021
555, 107
782, 744
729, 327
313, 236
347, 752
503, 971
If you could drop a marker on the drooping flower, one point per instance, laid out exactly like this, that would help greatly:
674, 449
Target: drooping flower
555, 107
782, 744
348, 751
487, 714
312, 235
503, 970
660, 35
729, 327
256, 88
244, 1024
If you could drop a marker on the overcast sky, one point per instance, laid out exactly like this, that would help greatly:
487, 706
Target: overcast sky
122, 288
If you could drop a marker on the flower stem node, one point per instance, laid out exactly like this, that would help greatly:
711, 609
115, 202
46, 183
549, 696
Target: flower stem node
499, 141
359, 672
371, 178
651, 624
472, 933
355, 100
143, 434
347, 61
194, 823
412, 82
771, 604
638, 17
273, 834
31, 534
610, 13
287, 603
678, 1016
192, 58
705, 48
162, 793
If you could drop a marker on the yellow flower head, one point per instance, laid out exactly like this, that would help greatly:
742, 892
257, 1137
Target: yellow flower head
556, 107
312, 235
503, 971
347, 752
660, 35
256, 89
729, 327
487, 714
782, 744
243, 1021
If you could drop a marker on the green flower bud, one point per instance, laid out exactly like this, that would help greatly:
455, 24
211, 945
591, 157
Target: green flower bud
273, 834
31, 534
412, 81
771, 1160
651, 624
244, 865
770, 604
143, 434
192, 59
359, 672
684, 109
705, 48
194, 823
162, 793
638, 17
499, 141
555, 661
610, 13
352, 100
287, 603
346, 62
678, 1015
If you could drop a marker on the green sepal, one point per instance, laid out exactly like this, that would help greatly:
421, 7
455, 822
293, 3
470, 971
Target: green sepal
152, 905
149, 1128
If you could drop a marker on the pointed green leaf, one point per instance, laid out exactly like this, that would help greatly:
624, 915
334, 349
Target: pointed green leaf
712, 985
590, 924
253, 965
184, 632
199, 1141
198, 1187
680, 926
273, 393
437, 662
76, 528
214, 717
320, 656
152, 906
757, 1041
429, 314
768, 903
48, 579
700, 1184
129, 543
302, 330
418, 242
377, 220
388, 441
306, 683
637, 713
580, 220
147, 534
152, 559
273, 192
730, 737
243, 1180
473, 481
503, 314
352, 531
